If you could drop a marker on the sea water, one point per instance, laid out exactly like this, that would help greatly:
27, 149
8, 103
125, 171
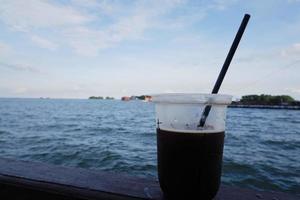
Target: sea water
262, 146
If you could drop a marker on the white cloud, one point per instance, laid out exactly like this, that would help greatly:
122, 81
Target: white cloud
106, 7
88, 3
5, 49
292, 51
18, 67
20, 90
30, 14
144, 15
44, 43
223, 4
294, 1
87, 41
71, 23
269, 58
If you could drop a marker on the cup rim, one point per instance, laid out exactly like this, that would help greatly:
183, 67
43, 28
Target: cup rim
192, 98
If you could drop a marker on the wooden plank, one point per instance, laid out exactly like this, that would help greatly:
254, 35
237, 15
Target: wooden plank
66, 180
46, 181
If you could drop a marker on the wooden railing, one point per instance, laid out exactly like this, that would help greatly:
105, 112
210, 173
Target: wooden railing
33, 180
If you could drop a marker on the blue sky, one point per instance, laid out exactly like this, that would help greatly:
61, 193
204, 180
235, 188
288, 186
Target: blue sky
79, 48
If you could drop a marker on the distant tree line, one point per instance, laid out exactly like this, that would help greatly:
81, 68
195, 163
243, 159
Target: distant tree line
99, 97
264, 99
143, 97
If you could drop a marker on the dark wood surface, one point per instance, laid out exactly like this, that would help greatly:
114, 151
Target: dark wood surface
33, 180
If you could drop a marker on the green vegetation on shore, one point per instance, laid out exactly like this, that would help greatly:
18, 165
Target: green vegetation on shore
264, 99
94, 97
143, 97
99, 97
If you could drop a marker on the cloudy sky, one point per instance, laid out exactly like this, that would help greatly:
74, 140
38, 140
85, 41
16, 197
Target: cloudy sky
79, 48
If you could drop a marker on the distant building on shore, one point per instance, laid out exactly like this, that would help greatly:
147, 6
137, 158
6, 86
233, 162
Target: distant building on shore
125, 98
146, 98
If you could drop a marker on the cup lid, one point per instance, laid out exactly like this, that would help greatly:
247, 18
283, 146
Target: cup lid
192, 98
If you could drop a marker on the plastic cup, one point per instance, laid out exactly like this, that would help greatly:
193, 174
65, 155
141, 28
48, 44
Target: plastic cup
190, 157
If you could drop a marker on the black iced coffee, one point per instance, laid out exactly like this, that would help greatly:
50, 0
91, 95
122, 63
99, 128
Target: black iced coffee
190, 156
189, 164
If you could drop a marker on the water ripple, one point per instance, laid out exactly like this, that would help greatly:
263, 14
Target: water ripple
261, 146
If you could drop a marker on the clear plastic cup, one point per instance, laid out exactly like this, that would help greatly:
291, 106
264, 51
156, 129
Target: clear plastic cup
189, 156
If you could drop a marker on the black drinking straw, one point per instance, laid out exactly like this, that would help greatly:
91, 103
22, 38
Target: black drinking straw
226, 64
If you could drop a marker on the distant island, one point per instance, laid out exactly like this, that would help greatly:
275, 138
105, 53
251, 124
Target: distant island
146, 98
99, 97
267, 101
247, 101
